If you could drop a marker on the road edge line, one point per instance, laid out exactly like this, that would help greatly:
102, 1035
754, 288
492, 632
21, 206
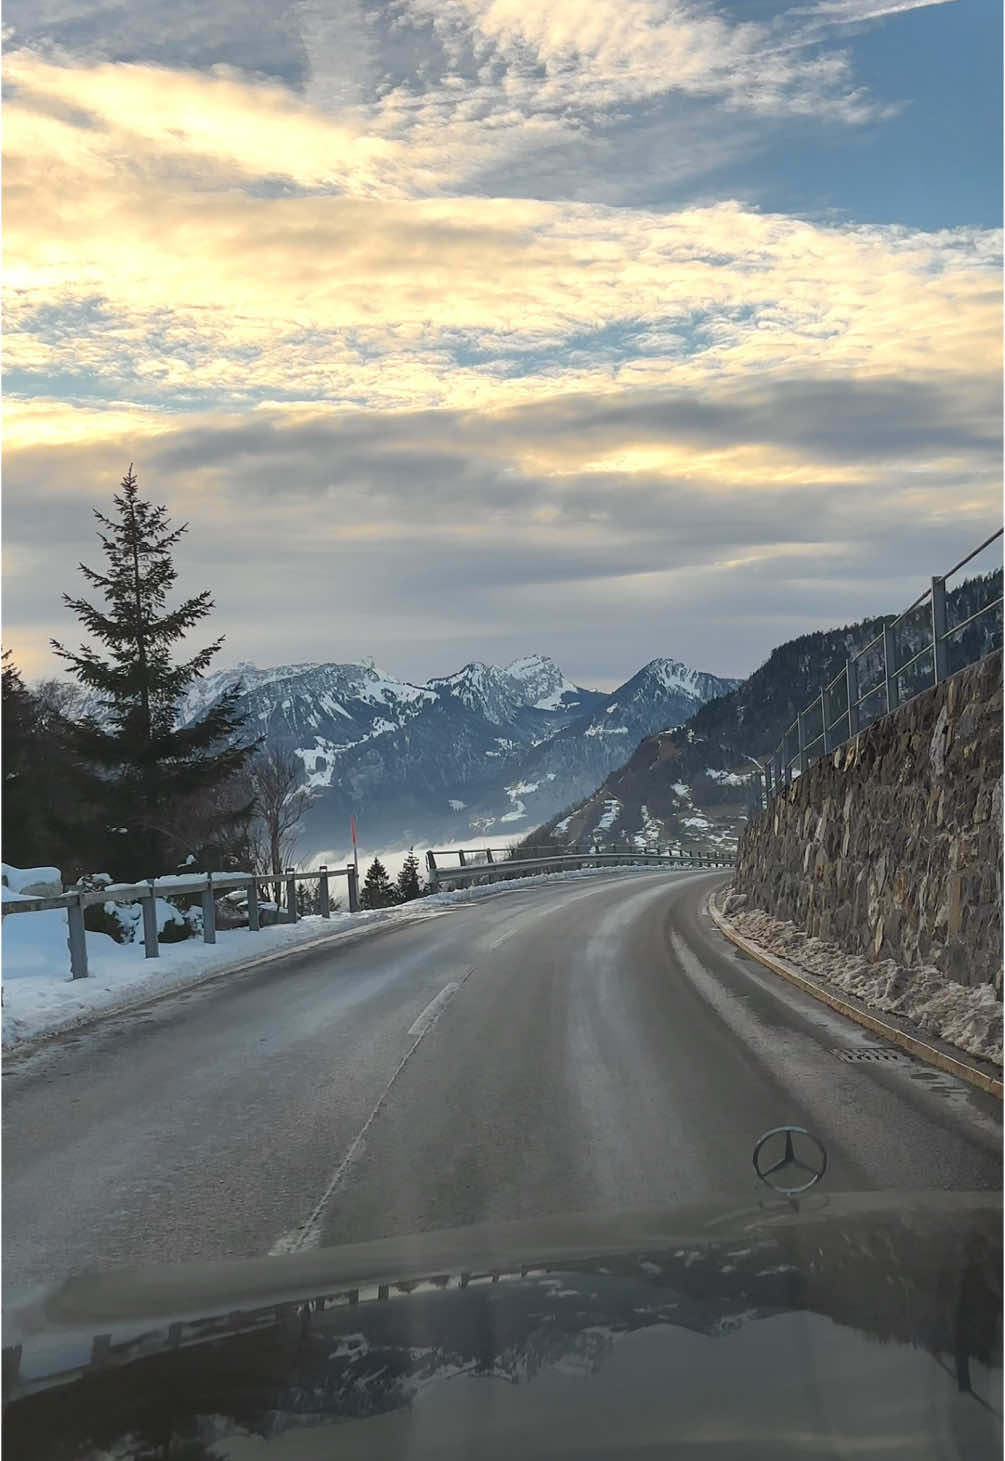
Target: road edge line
928, 1053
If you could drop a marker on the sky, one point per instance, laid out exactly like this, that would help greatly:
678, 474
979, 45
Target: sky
462, 329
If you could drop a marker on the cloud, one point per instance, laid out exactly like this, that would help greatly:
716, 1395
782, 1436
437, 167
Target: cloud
427, 537
165, 287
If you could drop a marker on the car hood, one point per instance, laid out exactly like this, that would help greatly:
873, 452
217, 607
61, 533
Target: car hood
848, 1325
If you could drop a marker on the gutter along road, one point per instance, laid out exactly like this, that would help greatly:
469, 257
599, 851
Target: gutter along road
583, 1046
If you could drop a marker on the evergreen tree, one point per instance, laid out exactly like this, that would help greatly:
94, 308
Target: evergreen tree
378, 891
409, 886
144, 764
45, 812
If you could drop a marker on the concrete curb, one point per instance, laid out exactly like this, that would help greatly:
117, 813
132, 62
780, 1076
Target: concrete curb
949, 1064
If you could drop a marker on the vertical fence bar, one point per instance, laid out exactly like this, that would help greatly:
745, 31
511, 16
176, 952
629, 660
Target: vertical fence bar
460, 858
940, 651
291, 898
76, 938
801, 743
323, 891
254, 919
851, 687
825, 729
890, 668
488, 855
208, 912
353, 877
151, 948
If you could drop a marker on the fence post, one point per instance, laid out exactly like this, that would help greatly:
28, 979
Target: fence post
460, 858
940, 652
77, 939
151, 949
488, 855
851, 685
291, 898
323, 889
768, 784
824, 727
801, 743
353, 877
208, 912
889, 668
254, 923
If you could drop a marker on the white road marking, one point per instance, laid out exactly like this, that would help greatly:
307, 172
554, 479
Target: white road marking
308, 1234
433, 1010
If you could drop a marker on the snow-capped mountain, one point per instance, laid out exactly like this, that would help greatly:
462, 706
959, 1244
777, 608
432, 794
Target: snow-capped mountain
486, 749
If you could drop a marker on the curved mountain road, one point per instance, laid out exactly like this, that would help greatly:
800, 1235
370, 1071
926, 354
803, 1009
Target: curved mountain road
585, 1045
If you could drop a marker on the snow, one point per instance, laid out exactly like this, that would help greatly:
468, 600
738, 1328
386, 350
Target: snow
679, 789
701, 822
17, 879
522, 788
726, 778
968, 1017
599, 729
455, 805
563, 825
611, 813
517, 814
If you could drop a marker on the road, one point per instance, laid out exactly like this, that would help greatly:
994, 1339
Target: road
585, 1045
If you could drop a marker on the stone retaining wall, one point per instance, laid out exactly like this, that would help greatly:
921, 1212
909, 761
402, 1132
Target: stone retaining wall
892, 845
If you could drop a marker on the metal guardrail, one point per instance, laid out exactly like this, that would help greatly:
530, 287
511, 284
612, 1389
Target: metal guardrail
209, 888
858, 705
495, 868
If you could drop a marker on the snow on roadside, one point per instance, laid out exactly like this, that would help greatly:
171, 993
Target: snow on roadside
968, 1017
39, 998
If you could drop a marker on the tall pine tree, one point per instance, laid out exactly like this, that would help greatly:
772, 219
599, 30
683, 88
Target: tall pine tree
378, 891
145, 764
409, 886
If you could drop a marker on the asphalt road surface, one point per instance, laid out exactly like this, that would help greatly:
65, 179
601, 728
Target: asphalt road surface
589, 1045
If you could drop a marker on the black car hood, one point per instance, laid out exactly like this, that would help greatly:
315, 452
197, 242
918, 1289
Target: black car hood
841, 1326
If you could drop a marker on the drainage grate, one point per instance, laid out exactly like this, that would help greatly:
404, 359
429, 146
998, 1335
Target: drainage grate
881, 1053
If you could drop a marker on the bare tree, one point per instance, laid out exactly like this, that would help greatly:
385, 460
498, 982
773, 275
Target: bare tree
280, 801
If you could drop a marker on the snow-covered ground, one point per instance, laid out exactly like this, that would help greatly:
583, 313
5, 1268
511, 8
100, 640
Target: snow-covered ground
969, 1018
39, 998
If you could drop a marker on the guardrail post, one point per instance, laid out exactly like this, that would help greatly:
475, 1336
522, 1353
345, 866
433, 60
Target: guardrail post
291, 898
889, 668
801, 742
208, 912
151, 948
76, 938
323, 890
851, 686
353, 877
254, 921
488, 855
460, 858
940, 655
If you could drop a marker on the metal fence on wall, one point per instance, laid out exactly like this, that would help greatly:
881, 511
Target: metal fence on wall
881, 676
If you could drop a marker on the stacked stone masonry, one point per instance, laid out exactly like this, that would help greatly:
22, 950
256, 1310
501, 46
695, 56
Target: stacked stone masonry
891, 846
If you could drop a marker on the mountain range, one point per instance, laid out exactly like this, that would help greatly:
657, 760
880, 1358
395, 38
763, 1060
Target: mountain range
485, 751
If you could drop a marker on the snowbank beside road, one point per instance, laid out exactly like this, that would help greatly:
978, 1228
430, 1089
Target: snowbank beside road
968, 1017
40, 998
